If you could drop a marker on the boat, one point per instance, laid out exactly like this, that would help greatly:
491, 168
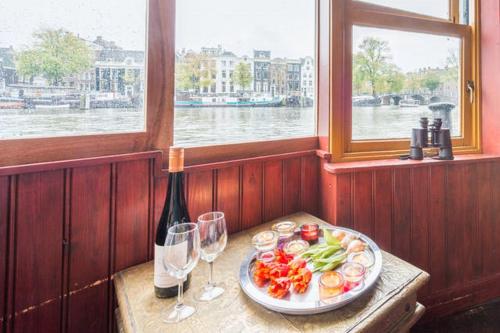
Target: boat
409, 103
51, 107
224, 101
366, 100
11, 103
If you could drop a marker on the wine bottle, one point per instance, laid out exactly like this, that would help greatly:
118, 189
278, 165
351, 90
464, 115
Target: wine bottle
174, 212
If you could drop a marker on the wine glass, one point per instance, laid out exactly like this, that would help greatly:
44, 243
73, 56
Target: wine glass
213, 235
181, 255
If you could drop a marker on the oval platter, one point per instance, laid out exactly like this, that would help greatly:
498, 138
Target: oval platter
309, 302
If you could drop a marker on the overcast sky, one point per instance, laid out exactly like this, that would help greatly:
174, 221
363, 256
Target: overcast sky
285, 27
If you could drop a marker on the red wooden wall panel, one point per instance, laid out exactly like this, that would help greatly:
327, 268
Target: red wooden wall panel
401, 224
251, 208
88, 308
443, 218
382, 203
199, 193
38, 238
4, 218
132, 213
273, 190
309, 188
419, 255
42, 319
437, 225
363, 203
228, 197
291, 185
90, 227
106, 212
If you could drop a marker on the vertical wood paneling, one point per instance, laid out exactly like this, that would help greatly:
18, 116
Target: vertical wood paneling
344, 200
420, 218
4, 220
309, 188
455, 225
90, 212
273, 190
472, 237
383, 208
38, 238
437, 224
496, 215
132, 205
88, 310
363, 203
200, 193
108, 214
291, 185
251, 206
401, 226
485, 217
228, 197
42, 319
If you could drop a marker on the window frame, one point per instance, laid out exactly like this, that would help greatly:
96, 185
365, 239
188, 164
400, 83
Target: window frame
358, 13
159, 110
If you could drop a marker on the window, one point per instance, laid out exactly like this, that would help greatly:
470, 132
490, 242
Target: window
254, 109
404, 60
436, 8
72, 68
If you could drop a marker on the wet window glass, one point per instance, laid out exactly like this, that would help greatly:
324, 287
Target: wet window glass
71, 67
399, 77
244, 71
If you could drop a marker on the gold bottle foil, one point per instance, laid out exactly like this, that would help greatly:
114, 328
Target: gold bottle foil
176, 159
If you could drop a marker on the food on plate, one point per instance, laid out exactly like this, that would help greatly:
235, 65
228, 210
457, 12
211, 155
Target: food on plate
347, 240
261, 273
278, 270
356, 246
279, 287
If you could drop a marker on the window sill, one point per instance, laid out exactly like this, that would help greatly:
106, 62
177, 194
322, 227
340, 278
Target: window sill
359, 166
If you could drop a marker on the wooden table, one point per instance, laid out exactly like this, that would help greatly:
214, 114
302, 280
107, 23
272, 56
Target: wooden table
391, 306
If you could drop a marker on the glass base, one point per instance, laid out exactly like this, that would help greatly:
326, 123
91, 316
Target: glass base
178, 313
209, 292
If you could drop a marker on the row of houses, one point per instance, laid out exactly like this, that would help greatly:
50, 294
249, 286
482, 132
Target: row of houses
270, 76
115, 71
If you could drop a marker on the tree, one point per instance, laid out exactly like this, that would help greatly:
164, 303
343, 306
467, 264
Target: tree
56, 54
187, 72
372, 62
431, 82
194, 71
242, 75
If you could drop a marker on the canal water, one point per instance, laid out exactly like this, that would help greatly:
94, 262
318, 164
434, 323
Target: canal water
207, 126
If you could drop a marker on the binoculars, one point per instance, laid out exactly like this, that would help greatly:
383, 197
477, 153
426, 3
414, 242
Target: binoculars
430, 136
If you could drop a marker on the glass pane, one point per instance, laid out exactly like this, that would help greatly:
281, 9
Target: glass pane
245, 71
436, 8
71, 67
399, 77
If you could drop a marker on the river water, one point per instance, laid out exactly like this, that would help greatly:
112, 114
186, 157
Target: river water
207, 126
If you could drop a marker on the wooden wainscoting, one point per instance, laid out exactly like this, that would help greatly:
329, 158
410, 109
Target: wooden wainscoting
66, 227
442, 217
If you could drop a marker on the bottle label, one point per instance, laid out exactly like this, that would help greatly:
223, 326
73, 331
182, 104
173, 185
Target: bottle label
162, 279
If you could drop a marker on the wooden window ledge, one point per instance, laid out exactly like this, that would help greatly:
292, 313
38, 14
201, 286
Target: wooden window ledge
349, 167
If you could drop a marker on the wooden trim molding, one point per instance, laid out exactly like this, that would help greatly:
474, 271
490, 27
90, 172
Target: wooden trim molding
348, 13
158, 104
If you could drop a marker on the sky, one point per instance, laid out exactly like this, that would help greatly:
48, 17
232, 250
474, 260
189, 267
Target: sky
285, 27
123, 21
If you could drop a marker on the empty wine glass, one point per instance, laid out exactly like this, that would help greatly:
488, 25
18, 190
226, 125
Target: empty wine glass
213, 235
181, 255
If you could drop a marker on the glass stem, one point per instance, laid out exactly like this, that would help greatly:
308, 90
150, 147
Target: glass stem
211, 274
180, 293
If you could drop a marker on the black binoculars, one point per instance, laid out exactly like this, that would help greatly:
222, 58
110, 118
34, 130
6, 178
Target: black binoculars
438, 138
